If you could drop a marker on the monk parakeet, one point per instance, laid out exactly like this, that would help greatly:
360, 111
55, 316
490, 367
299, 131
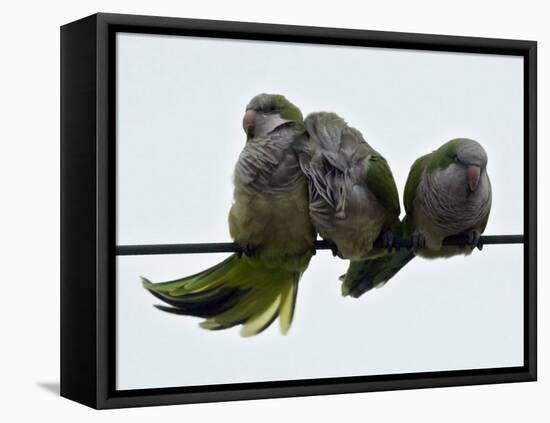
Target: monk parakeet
447, 193
269, 219
353, 197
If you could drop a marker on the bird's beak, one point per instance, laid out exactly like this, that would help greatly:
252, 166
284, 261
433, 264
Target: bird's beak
473, 177
249, 120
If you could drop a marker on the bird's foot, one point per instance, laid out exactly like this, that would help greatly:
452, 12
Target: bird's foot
248, 250
334, 248
418, 241
387, 239
473, 239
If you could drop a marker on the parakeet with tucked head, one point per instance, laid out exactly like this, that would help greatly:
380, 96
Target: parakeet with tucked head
447, 193
269, 219
353, 197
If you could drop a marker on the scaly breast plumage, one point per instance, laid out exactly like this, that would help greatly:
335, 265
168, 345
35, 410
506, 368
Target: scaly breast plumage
452, 211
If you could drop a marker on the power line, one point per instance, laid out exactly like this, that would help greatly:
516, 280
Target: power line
231, 247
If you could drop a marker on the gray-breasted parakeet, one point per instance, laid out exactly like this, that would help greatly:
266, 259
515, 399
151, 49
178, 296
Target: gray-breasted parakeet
447, 193
269, 219
353, 197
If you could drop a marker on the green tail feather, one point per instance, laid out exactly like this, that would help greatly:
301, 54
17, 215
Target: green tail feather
237, 291
362, 276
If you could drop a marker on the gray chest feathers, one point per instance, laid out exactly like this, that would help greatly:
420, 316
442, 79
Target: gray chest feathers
445, 203
268, 165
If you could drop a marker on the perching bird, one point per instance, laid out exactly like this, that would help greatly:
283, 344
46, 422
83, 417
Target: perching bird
447, 193
269, 219
353, 197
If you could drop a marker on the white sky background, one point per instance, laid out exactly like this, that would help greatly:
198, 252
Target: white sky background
180, 107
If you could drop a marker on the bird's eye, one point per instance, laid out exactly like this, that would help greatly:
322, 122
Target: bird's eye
455, 158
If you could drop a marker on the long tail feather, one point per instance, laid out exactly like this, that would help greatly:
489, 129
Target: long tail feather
362, 276
201, 305
237, 291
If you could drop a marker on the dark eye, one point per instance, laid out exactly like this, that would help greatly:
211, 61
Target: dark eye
455, 158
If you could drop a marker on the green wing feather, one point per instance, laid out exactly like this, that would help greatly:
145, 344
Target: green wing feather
238, 291
362, 276
443, 156
365, 275
417, 169
381, 183
439, 158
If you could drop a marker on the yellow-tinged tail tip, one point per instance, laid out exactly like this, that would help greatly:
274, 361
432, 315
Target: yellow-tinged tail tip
238, 291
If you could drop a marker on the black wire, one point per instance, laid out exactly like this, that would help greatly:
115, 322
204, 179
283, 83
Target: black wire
231, 247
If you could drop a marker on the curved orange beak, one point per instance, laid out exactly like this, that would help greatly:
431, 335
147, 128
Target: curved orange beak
249, 120
473, 177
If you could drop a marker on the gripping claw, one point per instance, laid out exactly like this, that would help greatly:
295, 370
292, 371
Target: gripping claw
334, 248
248, 250
387, 241
418, 241
474, 239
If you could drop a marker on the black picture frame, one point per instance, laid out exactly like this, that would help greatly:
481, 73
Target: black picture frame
88, 210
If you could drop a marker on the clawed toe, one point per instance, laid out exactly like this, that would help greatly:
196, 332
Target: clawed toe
474, 239
248, 250
336, 253
479, 244
418, 241
333, 248
388, 241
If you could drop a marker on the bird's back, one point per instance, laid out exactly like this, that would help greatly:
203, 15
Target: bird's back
335, 157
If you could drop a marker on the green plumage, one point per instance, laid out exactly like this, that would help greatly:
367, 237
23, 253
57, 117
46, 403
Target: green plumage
438, 159
287, 110
364, 275
352, 194
268, 219
238, 291
417, 169
443, 206
443, 156
381, 183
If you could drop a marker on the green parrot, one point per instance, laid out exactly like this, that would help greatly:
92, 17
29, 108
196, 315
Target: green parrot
447, 193
353, 199
269, 219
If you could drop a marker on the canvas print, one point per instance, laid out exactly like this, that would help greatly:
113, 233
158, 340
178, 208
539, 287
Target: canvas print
373, 198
